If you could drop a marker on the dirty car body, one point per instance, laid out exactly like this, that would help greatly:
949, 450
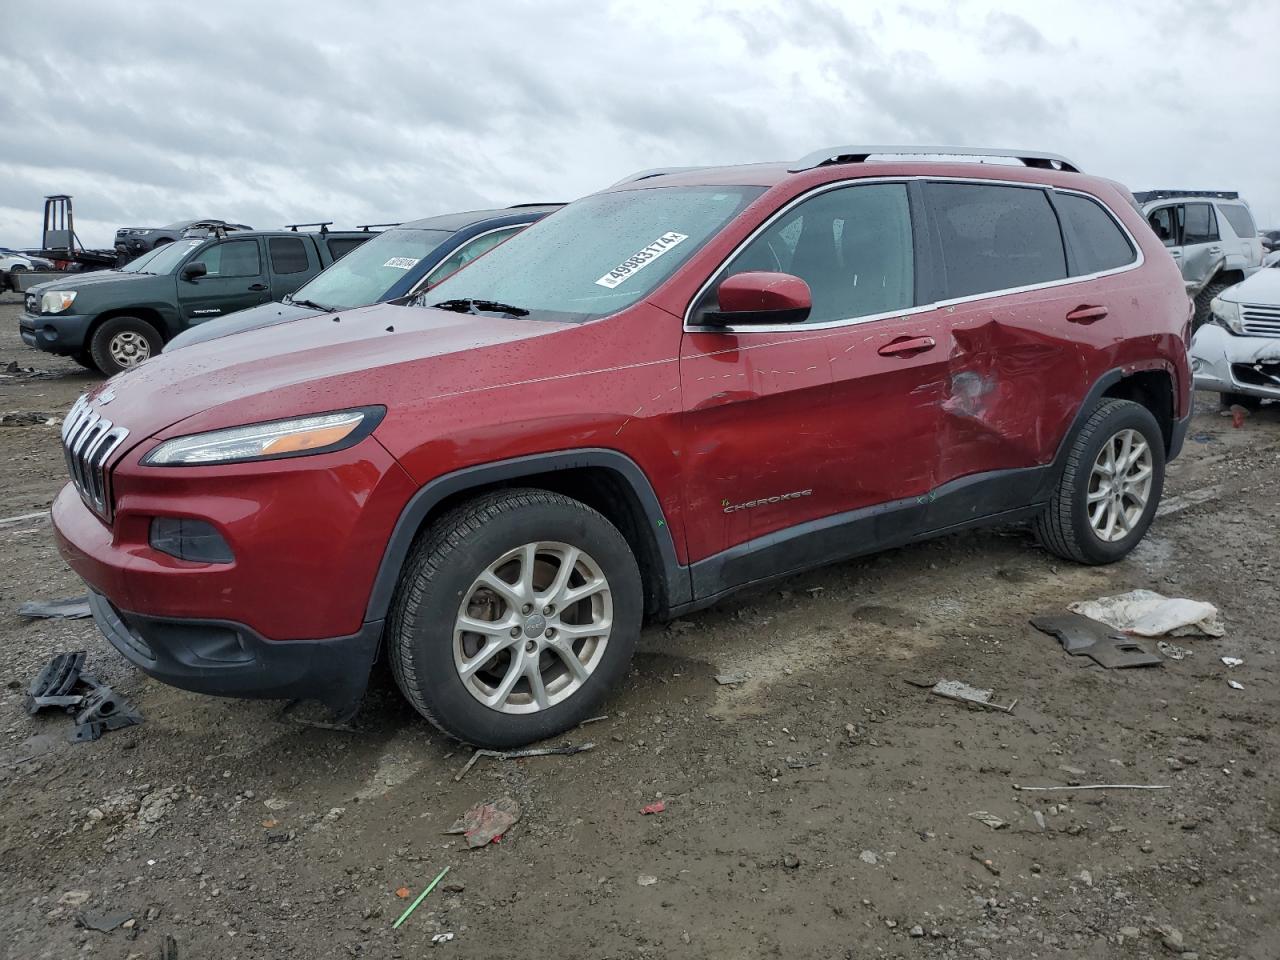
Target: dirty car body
719, 377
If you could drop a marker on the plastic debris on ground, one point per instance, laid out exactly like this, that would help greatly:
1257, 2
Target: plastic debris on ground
442, 938
1172, 650
1082, 636
422, 896
729, 679
1233, 661
567, 750
1145, 613
485, 823
64, 685
955, 690
645, 880
650, 808
68, 608
1235, 684
990, 819
103, 922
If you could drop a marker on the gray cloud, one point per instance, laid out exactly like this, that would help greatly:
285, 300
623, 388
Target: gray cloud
268, 114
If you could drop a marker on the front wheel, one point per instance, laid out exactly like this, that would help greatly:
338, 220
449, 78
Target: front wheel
123, 342
1110, 487
515, 615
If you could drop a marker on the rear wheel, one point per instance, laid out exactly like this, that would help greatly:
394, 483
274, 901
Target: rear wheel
123, 342
515, 615
1202, 301
14, 272
1110, 487
85, 360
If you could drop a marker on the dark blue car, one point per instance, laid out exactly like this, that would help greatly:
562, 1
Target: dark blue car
405, 259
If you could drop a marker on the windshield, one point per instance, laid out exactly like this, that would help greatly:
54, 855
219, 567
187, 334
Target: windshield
367, 273
596, 256
164, 258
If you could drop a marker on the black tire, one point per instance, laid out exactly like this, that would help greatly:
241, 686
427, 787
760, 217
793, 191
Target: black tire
1064, 527
14, 271
85, 360
100, 346
1202, 301
440, 571
1227, 400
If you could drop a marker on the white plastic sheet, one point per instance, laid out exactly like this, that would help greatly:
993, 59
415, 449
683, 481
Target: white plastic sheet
1145, 613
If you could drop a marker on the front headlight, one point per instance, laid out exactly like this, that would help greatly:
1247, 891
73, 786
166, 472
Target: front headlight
55, 301
277, 439
1226, 313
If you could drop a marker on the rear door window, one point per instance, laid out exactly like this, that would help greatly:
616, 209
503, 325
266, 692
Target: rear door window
1164, 222
235, 258
1200, 226
852, 246
1240, 218
288, 255
995, 237
1098, 243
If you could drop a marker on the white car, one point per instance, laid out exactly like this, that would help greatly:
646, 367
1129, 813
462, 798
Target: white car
11, 262
1237, 354
1210, 234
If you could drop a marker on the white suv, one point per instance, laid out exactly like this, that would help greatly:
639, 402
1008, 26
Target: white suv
1238, 354
1211, 235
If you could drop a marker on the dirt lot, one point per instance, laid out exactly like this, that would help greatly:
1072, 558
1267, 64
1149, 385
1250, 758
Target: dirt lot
820, 809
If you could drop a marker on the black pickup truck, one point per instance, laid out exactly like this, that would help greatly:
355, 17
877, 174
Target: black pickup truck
111, 320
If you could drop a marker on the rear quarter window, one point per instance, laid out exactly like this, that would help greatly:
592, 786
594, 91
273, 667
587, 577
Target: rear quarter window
1098, 243
1240, 218
339, 247
995, 237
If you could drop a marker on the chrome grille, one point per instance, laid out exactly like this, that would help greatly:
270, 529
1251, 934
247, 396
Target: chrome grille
1260, 320
88, 441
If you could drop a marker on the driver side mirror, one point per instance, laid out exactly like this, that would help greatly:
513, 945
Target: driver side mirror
760, 297
194, 270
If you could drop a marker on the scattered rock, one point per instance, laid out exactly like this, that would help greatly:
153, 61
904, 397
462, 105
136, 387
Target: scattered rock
74, 898
790, 861
645, 880
869, 856
917, 931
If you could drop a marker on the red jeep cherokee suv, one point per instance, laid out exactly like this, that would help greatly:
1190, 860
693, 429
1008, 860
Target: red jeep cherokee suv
692, 382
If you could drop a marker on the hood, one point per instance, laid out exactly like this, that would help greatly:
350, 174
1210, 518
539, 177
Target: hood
1262, 288
83, 281
364, 357
254, 318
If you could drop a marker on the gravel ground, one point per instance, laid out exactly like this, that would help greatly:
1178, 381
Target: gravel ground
822, 808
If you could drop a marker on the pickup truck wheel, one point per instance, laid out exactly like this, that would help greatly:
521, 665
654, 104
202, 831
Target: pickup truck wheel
123, 342
85, 359
1108, 492
515, 615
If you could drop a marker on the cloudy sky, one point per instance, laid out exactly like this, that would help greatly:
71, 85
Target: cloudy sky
269, 113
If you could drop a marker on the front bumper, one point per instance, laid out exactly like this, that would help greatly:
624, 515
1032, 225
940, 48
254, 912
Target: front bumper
54, 333
1223, 362
226, 659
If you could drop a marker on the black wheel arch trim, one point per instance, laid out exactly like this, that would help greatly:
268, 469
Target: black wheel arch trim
676, 577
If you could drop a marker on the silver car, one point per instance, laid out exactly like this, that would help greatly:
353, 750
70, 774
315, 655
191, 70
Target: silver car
1210, 234
1238, 353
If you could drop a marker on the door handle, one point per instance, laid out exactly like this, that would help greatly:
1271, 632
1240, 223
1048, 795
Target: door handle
257, 286
1087, 314
1215, 249
907, 346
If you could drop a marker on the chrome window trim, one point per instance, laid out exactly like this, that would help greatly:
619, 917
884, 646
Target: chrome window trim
689, 327
421, 284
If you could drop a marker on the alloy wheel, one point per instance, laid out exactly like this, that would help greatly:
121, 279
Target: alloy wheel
533, 627
1120, 485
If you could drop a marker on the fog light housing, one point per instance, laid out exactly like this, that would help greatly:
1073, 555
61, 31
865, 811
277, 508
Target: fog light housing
189, 539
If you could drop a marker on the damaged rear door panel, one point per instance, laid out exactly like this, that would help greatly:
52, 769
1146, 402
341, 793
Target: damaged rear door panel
1020, 359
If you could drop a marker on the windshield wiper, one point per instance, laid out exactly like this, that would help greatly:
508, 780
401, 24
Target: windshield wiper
309, 303
479, 306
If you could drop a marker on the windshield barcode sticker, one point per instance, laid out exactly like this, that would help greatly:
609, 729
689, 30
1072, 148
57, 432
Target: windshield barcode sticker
402, 263
638, 261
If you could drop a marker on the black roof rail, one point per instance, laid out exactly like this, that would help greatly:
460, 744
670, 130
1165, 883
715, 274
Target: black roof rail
324, 225
540, 203
366, 227
859, 154
1146, 196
